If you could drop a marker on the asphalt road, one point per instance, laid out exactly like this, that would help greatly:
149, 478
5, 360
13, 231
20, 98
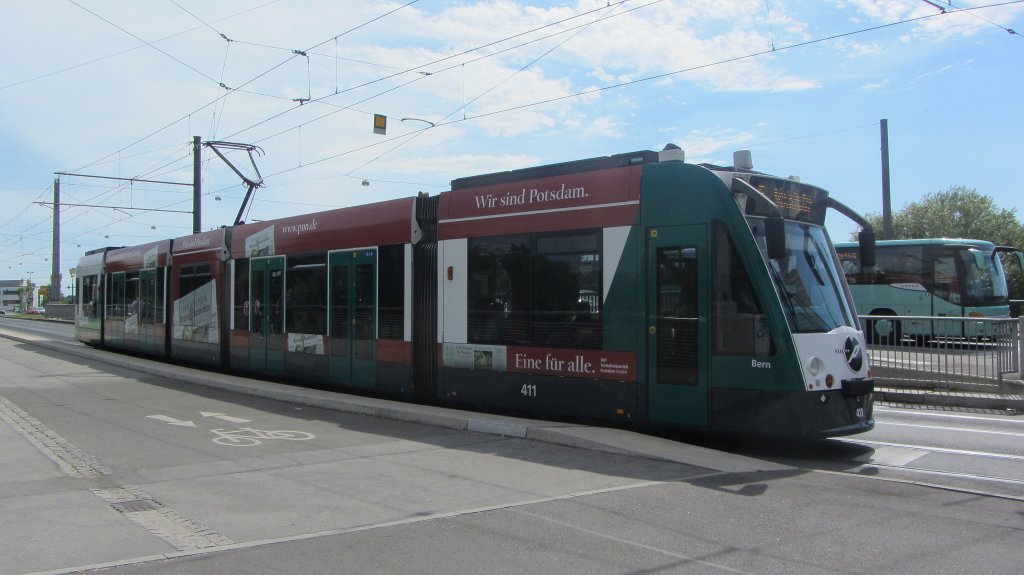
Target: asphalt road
112, 470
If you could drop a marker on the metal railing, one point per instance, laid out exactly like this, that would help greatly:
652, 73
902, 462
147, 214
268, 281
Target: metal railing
943, 353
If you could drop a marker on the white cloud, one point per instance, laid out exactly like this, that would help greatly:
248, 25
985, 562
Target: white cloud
141, 107
875, 86
714, 145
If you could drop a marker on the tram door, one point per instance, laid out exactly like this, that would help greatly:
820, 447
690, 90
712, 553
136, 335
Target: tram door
677, 296
146, 310
353, 317
266, 319
116, 310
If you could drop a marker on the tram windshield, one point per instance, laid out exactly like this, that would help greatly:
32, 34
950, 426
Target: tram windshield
808, 281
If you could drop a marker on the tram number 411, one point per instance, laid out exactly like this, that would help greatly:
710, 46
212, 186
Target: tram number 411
529, 390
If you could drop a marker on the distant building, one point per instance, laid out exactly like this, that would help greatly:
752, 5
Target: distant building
12, 296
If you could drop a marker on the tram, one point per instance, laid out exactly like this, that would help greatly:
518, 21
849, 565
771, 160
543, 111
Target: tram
632, 289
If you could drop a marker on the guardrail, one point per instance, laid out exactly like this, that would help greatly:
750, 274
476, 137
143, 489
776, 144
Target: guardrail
944, 353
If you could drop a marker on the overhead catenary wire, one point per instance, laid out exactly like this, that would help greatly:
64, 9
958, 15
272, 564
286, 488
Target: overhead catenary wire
465, 104
971, 12
242, 85
419, 67
660, 76
644, 79
148, 43
295, 52
649, 78
228, 90
132, 49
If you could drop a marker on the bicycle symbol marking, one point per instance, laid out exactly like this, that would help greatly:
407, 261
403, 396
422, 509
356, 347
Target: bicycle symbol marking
249, 437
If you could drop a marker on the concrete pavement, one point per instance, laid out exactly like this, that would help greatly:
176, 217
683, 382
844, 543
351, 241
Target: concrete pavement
557, 433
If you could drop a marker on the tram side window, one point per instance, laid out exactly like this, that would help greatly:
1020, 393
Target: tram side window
193, 278
241, 303
391, 288
89, 295
306, 298
499, 285
158, 315
542, 290
738, 321
115, 296
132, 293
565, 300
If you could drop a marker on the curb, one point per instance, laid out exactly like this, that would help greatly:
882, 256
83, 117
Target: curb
565, 434
966, 400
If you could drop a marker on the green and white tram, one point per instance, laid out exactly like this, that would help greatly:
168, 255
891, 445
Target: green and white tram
712, 297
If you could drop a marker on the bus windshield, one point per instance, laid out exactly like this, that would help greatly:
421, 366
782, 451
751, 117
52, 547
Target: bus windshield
808, 281
983, 278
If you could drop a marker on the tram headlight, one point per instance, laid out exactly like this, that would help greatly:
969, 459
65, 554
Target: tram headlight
815, 366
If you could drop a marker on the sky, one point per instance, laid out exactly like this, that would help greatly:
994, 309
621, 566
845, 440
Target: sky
119, 88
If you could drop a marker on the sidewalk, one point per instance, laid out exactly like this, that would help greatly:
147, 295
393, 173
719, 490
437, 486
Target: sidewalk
558, 433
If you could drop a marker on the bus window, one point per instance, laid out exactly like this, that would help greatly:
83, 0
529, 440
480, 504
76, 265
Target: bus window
944, 281
983, 278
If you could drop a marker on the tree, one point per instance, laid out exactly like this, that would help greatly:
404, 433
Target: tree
960, 212
25, 296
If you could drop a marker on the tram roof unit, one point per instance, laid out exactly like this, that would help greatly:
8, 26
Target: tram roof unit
102, 250
204, 246
151, 255
379, 223
561, 169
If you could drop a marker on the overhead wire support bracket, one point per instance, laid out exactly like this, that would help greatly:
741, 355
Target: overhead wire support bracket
253, 184
122, 179
116, 208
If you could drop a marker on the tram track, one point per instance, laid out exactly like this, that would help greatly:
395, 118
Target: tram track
934, 449
879, 464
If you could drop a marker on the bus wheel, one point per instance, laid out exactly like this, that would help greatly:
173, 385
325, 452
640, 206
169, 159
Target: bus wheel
884, 331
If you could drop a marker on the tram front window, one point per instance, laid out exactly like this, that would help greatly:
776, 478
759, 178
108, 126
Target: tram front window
808, 283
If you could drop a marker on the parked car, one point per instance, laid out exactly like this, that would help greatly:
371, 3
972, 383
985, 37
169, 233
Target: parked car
37, 311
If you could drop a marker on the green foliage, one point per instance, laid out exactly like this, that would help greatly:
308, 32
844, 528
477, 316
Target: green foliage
960, 212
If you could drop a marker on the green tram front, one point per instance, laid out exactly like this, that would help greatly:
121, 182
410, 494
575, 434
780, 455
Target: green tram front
781, 352
692, 296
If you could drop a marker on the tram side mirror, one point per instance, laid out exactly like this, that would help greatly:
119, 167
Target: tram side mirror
867, 249
775, 237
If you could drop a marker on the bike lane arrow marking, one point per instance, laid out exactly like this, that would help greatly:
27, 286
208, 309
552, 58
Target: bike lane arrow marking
224, 417
171, 420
